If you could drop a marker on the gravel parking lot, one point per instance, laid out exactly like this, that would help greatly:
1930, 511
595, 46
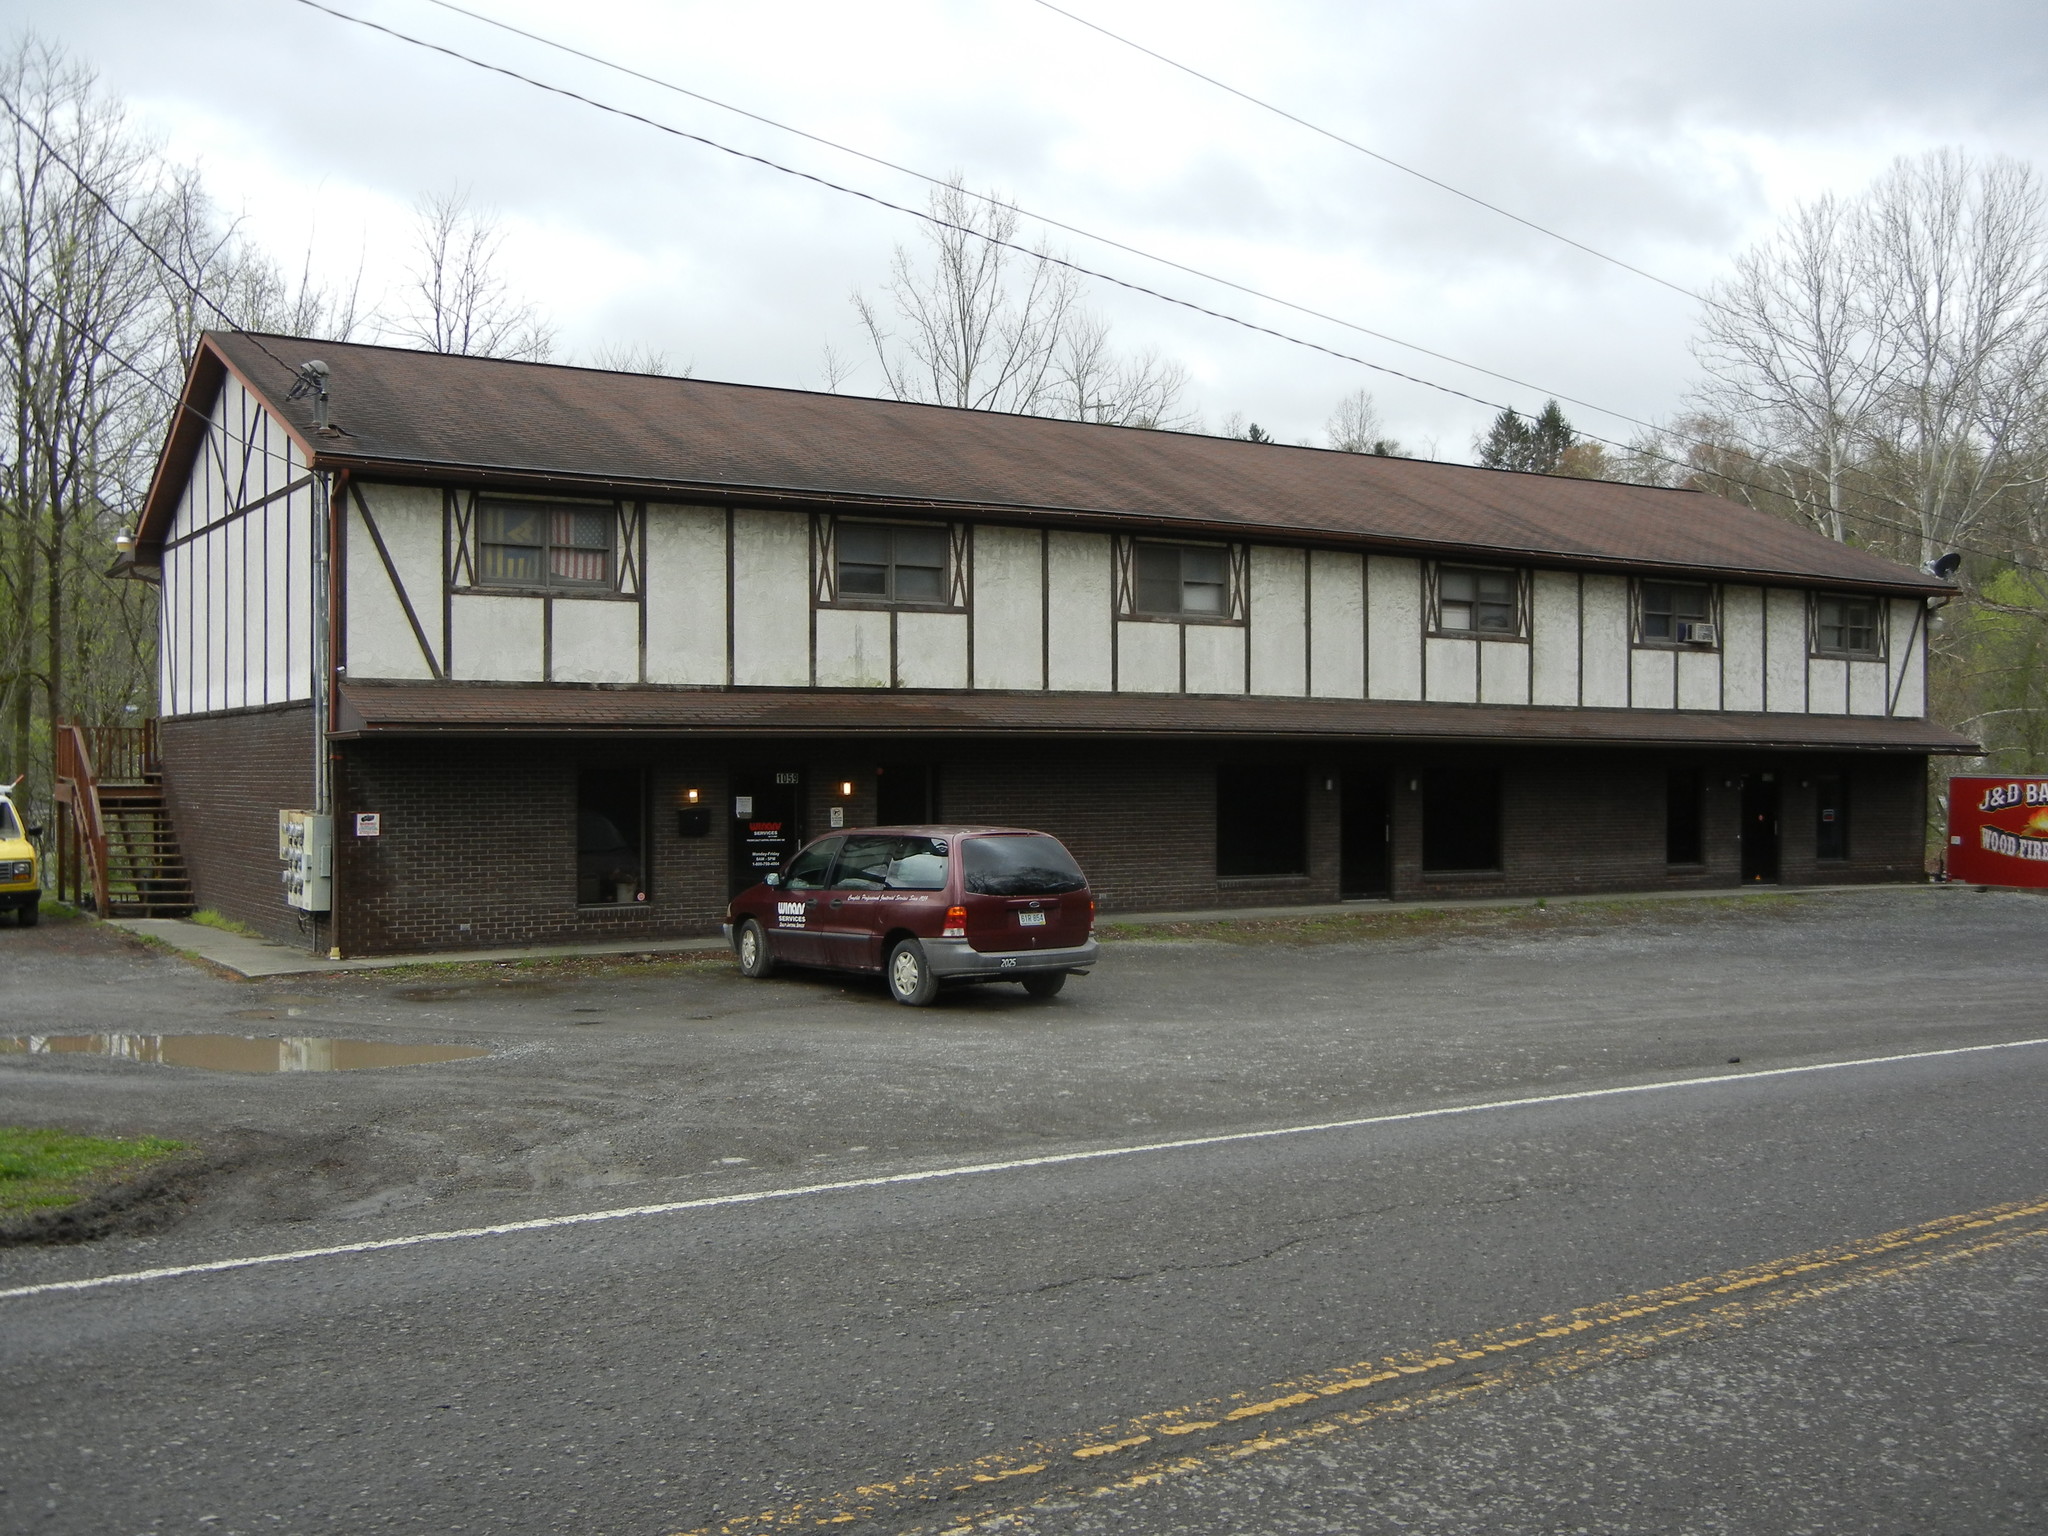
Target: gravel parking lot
628, 1081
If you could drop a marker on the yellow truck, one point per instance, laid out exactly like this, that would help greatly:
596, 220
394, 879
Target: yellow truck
21, 870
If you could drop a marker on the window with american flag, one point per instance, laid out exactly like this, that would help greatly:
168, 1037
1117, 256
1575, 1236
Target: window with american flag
542, 544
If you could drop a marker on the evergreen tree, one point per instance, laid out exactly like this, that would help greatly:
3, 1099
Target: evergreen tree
1536, 447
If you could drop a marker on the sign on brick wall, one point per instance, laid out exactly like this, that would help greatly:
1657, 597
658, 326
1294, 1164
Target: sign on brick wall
1998, 831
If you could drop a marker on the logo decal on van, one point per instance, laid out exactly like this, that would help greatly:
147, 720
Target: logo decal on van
789, 914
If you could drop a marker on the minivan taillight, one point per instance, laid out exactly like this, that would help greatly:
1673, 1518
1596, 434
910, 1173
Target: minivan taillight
956, 923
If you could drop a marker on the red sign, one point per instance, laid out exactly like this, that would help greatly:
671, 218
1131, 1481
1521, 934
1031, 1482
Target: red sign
1998, 831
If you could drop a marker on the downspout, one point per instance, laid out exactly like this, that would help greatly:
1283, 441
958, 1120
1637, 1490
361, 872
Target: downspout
328, 509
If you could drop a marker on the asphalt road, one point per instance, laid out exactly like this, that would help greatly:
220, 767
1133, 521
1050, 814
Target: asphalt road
1315, 1331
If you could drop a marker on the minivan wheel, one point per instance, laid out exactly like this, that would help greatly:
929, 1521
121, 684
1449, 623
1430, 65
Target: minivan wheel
756, 964
911, 981
28, 916
1045, 984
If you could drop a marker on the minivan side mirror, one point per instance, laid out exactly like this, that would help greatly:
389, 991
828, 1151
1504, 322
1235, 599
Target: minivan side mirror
36, 833
771, 879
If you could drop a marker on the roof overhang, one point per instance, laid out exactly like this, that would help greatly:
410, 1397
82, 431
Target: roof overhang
372, 711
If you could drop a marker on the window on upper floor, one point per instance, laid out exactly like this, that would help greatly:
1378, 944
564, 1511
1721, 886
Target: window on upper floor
1677, 613
1180, 581
1481, 602
1846, 626
535, 544
892, 562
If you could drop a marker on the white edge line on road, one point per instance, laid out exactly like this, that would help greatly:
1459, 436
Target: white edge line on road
928, 1175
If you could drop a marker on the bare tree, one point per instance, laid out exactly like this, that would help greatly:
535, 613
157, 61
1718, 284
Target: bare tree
1891, 353
459, 301
84, 347
632, 357
986, 326
1355, 427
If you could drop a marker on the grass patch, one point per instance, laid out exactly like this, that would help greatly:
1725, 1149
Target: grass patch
44, 1170
209, 918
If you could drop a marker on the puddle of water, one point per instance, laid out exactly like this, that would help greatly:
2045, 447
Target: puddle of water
240, 1053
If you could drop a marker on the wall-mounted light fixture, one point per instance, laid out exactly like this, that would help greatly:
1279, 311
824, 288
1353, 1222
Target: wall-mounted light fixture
691, 796
846, 789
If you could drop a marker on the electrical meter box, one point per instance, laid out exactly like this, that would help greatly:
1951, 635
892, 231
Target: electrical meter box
305, 842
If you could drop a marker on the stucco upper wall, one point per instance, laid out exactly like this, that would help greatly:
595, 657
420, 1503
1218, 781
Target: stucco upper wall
720, 596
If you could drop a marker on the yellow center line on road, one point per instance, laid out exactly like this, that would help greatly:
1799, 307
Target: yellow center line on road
1625, 1326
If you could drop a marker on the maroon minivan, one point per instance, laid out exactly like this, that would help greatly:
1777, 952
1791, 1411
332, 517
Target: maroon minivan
923, 905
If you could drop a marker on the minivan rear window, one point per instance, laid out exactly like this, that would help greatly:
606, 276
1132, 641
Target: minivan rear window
1020, 866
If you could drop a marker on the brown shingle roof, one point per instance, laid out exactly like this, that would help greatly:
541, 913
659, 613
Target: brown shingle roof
470, 709
422, 414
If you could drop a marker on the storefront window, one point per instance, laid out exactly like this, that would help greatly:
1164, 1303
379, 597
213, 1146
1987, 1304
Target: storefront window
1261, 821
1460, 819
1831, 817
611, 852
1684, 808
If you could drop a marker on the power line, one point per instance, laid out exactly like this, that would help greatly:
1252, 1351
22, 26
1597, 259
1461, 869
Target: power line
1076, 267
1374, 154
1041, 218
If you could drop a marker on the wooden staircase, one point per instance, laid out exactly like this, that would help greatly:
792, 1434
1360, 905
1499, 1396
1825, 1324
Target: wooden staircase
114, 831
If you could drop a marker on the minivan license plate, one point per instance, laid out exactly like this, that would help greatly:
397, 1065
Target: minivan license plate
1031, 919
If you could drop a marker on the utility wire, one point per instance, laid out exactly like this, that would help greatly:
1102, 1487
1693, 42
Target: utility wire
1040, 218
1073, 266
135, 234
1374, 154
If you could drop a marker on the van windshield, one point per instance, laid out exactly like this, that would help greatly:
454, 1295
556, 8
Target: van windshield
9, 827
1021, 866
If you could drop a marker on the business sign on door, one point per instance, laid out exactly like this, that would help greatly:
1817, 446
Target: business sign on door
1998, 831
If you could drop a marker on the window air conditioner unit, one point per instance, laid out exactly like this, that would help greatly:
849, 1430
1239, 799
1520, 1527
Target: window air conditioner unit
1698, 634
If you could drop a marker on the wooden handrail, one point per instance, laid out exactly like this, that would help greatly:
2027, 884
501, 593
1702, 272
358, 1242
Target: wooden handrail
78, 788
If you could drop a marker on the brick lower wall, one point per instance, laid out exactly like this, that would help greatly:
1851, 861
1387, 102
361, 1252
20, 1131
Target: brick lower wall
477, 847
225, 779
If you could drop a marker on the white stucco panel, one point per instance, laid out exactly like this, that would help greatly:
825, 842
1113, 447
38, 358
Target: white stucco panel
1742, 648
1078, 614
596, 641
1699, 680
1867, 693
1785, 650
497, 639
1451, 670
685, 585
1215, 655
1279, 627
1652, 679
1827, 688
1908, 658
1554, 638
1009, 607
381, 642
771, 599
931, 650
1148, 657
1503, 673
1336, 628
1604, 642
853, 648
1393, 624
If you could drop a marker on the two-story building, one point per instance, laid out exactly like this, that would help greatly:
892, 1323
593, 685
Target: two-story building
573, 654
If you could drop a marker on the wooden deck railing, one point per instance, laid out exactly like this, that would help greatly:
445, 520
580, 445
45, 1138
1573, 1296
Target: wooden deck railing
87, 757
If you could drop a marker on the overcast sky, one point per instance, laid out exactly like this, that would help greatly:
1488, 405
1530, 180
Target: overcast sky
1668, 136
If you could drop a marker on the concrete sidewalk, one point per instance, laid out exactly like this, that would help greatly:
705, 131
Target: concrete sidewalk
253, 958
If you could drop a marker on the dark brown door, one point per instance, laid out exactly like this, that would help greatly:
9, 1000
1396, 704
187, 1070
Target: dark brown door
766, 822
1366, 835
1759, 830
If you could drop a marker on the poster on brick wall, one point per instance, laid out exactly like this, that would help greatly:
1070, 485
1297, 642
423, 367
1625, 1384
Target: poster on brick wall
1998, 831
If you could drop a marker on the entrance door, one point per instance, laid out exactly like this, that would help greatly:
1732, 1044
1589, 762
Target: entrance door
1366, 840
1760, 830
766, 823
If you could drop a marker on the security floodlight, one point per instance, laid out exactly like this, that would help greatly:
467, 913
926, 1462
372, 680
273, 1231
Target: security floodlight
1946, 566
